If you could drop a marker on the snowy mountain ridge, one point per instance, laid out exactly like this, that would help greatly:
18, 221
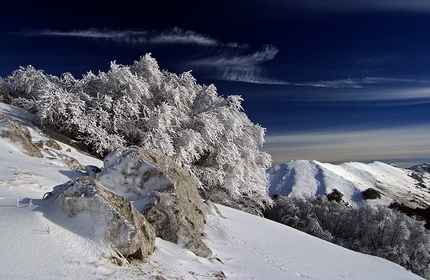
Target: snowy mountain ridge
409, 187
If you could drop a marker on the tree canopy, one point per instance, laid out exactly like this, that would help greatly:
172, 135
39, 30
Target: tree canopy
144, 106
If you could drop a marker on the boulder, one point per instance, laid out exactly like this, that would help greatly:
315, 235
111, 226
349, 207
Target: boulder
371, 193
71, 162
117, 223
53, 144
19, 136
172, 203
335, 195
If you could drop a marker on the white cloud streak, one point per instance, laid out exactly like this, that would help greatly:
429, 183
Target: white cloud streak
180, 36
409, 91
352, 83
412, 94
171, 36
237, 67
122, 37
362, 5
404, 145
228, 62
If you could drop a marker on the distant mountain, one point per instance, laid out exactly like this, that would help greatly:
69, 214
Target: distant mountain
408, 187
421, 173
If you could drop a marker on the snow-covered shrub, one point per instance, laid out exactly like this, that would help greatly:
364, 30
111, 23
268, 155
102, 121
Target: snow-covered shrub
141, 105
379, 231
4, 91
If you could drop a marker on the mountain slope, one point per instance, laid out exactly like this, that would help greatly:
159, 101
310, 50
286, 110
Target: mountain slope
309, 177
39, 242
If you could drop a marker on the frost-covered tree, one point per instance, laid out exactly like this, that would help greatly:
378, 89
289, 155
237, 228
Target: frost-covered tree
142, 105
378, 230
4, 91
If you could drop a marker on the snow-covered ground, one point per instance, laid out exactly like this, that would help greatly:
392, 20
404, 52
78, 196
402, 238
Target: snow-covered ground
310, 177
39, 242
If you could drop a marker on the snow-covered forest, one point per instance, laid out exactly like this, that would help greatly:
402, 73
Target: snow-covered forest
375, 230
141, 105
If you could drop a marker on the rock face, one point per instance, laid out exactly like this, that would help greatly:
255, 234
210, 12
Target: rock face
172, 205
19, 136
119, 224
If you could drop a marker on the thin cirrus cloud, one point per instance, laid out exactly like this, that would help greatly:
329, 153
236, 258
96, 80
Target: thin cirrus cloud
353, 83
231, 66
404, 90
224, 61
363, 5
180, 36
133, 37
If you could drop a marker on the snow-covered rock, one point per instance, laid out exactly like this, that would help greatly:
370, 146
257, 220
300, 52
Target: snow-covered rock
163, 191
114, 222
19, 136
127, 173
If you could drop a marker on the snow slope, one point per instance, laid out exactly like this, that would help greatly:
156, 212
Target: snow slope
39, 242
309, 177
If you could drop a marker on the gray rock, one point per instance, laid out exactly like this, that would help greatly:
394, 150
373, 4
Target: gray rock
68, 161
53, 144
19, 136
174, 208
118, 223
92, 170
129, 174
71, 162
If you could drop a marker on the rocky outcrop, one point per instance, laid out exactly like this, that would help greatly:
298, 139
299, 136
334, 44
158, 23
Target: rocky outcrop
70, 162
118, 223
172, 203
52, 144
335, 195
371, 193
19, 136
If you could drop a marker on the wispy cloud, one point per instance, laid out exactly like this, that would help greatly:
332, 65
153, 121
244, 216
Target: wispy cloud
402, 144
390, 93
123, 37
352, 83
393, 94
223, 60
238, 67
171, 36
180, 36
363, 5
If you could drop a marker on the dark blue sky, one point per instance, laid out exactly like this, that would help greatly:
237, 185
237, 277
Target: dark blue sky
330, 80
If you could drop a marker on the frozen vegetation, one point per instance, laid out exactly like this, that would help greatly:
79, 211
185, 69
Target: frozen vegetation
356, 206
211, 137
39, 241
141, 105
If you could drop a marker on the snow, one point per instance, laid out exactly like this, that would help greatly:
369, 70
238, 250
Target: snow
39, 241
312, 178
126, 176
